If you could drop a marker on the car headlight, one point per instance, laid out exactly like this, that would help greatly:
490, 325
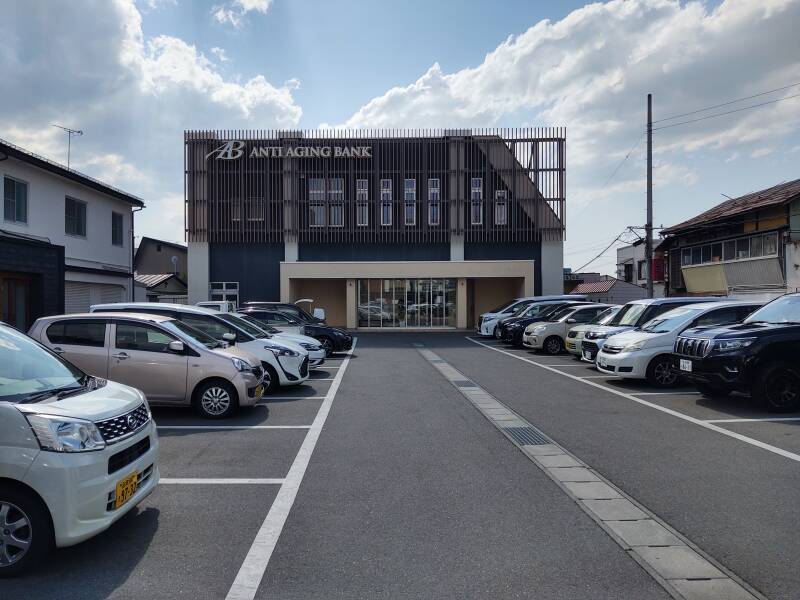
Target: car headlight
596, 335
634, 346
539, 329
241, 365
281, 351
65, 434
732, 344
310, 347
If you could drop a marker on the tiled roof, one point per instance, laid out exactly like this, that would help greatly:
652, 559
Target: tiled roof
153, 280
594, 287
778, 194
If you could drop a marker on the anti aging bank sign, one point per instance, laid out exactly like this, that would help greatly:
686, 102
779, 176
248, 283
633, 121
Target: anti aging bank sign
233, 149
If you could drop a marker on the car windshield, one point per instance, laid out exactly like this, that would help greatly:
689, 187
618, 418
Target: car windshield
256, 323
188, 331
628, 315
785, 309
502, 307
604, 318
560, 314
27, 370
245, 326
670, 320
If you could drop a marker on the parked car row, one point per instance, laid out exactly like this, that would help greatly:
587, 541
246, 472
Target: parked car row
79, 387
718, 345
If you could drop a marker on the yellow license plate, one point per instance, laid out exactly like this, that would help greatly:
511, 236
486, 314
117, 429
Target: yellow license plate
259, 390
126, 488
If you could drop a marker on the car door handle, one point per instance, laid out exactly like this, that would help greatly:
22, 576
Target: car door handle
120, 356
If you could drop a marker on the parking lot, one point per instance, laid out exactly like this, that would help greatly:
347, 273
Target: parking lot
379, 479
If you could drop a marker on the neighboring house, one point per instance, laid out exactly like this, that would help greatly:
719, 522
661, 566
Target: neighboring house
154, 257
90, 221
610, 290
743, 246
573, 279
632, 266
163, 287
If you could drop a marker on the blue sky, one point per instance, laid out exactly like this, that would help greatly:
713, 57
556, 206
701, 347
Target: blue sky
134, 74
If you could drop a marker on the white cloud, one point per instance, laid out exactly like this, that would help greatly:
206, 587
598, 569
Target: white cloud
759, 152
220, 53
234, 12
133, 95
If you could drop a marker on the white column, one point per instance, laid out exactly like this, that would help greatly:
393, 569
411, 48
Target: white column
552, 267
198, 259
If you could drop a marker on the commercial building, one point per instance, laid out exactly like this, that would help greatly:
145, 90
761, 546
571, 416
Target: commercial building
382, 229
745, 246
67, 239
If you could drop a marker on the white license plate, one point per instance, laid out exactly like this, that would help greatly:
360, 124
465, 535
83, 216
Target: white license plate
587, 355
686, 365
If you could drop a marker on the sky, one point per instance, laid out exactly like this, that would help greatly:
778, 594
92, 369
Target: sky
134, 74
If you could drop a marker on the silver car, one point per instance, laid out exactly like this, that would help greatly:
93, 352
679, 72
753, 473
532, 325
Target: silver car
170, 361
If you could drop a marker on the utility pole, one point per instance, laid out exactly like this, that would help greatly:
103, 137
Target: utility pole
648, 228
70, 133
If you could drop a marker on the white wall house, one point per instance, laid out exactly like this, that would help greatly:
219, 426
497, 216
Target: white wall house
91, 220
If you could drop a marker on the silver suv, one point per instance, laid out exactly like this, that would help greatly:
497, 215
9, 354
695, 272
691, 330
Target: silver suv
170, 361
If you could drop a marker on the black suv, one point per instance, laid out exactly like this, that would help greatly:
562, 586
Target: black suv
510, 329
287, 308
761, 355
330, 338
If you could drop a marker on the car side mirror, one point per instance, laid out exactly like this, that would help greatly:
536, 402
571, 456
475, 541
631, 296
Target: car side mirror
229, 337
319, 313
293, 322
176, 346
571, 321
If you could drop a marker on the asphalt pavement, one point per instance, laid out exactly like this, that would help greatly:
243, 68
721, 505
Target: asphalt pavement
406, 490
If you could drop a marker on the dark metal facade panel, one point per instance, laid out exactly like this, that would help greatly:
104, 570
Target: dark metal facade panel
256, 186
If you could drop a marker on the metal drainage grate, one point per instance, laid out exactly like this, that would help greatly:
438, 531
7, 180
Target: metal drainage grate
464, 383
527, 436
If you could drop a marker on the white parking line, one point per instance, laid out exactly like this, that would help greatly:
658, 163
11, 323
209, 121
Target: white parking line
572, 365
218, 481
251, 572
266, 399
320, 379
665, 393
233, 427
587, 376
765, 420
674, 413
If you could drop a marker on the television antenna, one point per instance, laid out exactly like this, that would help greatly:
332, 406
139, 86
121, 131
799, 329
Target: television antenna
70, 133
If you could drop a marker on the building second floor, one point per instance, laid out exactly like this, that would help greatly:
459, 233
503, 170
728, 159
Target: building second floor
45, 200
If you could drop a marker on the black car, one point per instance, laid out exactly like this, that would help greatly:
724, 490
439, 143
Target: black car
761, 356
511, 328
287, 308
330, 338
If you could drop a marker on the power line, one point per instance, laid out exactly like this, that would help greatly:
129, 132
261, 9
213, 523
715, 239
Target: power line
727, 112
699, 110
614, 241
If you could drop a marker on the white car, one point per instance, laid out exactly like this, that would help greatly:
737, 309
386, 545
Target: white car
78, 452
646, 352
575, 335
316, 353
285, 363
551, 335
219, 305
488, 321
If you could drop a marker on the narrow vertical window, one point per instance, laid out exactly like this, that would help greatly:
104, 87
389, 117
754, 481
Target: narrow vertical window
362, 202
386, 202
15, 200
336, 201
74, 217
116, 229
316, 202
434, 216
501, 207
476, 201
410, 201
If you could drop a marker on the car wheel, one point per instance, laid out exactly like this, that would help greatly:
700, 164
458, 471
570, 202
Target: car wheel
26, 533
271, 381
216, 399
660, 372
553, 345
777, 388
327, 345
712, 391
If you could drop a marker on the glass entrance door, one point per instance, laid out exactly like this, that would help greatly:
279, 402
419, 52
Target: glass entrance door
425, 303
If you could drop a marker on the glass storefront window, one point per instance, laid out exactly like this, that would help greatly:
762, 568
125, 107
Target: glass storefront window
406, 303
